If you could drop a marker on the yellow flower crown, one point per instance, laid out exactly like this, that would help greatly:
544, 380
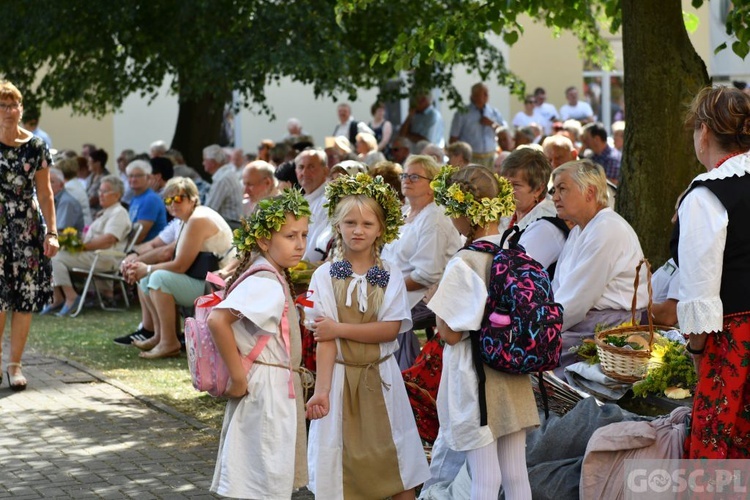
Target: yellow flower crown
268, 216
479, 211
377, 189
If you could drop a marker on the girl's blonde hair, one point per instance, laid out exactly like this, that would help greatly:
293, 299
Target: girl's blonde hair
346, 205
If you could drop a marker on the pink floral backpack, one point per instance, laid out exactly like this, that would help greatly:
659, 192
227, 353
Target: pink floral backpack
208, 371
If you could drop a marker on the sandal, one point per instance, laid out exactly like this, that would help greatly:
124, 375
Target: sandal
158, 354
146, 345
17, 382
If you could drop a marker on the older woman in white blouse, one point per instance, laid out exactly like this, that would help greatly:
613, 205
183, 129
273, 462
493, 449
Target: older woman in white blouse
596, 268
427, 241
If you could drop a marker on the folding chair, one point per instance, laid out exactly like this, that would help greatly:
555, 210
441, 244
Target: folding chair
92, 274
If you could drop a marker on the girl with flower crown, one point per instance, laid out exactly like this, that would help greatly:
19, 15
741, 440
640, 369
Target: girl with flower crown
363, 440
262, 448
475, 199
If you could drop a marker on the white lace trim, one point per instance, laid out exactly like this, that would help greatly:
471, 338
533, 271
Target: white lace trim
735, 166
701, 316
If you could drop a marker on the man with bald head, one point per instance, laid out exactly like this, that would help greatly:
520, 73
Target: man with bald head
477, 125
259, 182
312, 172
559, 149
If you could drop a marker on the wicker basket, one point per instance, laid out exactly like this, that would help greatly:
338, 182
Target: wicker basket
629, 365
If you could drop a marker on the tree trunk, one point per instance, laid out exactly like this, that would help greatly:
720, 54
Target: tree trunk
662, 74
198, 125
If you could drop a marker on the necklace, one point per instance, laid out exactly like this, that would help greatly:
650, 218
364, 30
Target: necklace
730, 155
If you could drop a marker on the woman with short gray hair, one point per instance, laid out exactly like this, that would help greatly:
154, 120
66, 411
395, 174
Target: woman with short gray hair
108, 231
596, 269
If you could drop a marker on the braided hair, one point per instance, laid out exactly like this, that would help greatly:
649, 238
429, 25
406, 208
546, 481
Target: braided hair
480, 182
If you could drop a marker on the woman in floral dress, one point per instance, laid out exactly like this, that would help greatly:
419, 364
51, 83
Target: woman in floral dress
25, 245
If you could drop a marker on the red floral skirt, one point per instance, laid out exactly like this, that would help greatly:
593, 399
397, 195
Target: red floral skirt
422, 380
721, 406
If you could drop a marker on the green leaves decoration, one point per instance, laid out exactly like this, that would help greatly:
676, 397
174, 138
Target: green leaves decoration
457, 203
269, 216
377, 189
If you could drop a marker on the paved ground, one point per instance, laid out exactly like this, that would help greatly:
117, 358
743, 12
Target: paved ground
73, 434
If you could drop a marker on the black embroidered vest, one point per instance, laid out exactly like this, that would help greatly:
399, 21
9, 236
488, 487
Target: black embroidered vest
734, 194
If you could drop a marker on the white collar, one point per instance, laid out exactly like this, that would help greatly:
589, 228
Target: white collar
736, 166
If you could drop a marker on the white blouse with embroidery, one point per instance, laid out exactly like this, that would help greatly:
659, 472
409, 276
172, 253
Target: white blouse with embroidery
703, 235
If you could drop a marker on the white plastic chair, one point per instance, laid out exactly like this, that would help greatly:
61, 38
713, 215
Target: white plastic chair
93, 275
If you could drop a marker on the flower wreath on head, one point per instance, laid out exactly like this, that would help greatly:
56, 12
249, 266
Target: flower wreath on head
376, 189
460, 204
269, 216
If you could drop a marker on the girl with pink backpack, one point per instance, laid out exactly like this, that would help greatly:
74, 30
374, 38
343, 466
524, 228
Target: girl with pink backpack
262, 448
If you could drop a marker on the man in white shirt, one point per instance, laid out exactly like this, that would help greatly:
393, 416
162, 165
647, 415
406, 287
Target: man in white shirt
348, 126
547, 111
312, 172
477, 125
575, 109
225, 194
259, 182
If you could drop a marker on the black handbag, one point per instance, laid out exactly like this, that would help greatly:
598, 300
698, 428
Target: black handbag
204, 263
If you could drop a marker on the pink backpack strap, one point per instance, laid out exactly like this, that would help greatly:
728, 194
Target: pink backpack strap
248, 361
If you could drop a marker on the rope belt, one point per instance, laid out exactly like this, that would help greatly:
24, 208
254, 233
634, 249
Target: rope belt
367, 367
306, 376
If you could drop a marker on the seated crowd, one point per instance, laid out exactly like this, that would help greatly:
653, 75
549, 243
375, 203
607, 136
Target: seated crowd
563, 177
407, 156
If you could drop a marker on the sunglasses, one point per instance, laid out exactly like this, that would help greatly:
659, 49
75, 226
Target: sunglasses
413, 177
178, 198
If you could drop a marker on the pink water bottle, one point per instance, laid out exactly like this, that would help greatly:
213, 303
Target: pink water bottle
499, 318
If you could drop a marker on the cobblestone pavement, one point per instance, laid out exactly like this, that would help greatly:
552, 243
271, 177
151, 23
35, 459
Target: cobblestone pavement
74, 434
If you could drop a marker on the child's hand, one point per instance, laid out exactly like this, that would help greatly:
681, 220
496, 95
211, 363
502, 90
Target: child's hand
325, 329
236, 388
317, 406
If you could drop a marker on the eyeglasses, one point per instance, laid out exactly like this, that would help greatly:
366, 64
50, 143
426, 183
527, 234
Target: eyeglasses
102, 193
178, 198
9, 107
413, 177
136, 176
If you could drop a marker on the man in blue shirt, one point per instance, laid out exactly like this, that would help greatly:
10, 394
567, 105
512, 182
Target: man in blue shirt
424, 122
146, 207
476, 126
595, 139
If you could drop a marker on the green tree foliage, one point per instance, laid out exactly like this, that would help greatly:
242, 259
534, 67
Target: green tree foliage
92, 55
662, 73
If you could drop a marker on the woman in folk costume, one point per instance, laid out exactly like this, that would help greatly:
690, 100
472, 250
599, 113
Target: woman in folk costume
262, 448
713, 253
363, 440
